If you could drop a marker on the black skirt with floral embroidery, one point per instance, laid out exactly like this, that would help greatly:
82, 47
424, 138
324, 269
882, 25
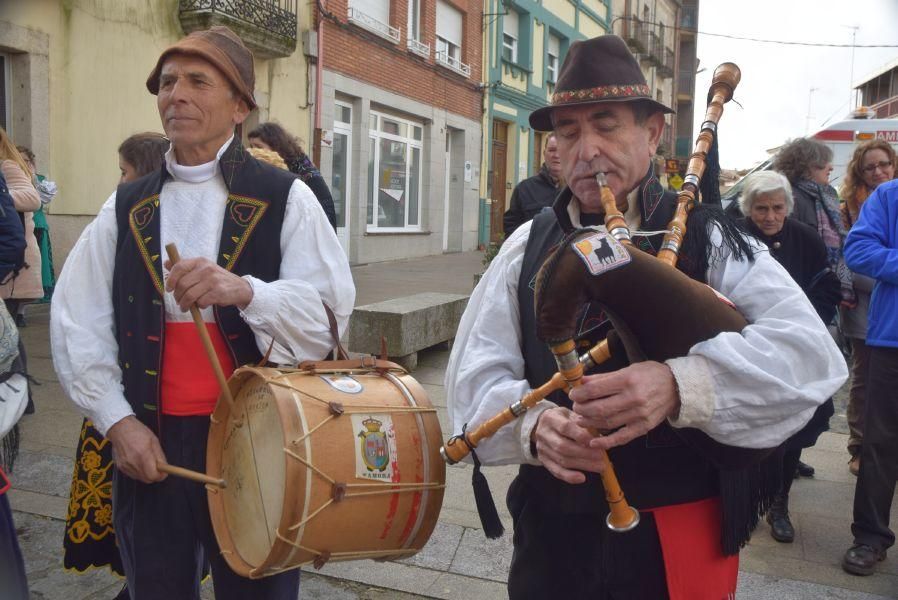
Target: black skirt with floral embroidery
89, 535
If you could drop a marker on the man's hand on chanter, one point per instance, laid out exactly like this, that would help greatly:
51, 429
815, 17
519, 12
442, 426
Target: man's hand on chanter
136, 450
632, 401
563, 446
201, 281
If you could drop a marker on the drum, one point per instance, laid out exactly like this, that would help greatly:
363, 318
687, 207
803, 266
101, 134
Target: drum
322, 464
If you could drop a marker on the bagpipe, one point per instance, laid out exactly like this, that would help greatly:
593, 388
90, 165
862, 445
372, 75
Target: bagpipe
607, 268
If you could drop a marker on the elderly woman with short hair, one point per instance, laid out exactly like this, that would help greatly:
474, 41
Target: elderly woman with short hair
767, 203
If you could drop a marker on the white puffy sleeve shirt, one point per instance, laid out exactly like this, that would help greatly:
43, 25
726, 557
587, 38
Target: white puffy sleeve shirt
313, 269
752, 389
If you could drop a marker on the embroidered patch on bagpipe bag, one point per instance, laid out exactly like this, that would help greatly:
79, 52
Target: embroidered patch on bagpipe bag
600, 253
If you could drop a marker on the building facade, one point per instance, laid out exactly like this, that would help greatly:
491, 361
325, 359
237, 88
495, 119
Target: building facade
74, 76
879, 92
398, 123
662, 34
524, 44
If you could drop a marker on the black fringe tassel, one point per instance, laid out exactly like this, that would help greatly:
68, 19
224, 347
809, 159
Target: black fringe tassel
486, 506
703, 219
9, 449
745, 495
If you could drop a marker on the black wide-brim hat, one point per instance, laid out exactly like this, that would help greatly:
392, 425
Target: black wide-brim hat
598, 70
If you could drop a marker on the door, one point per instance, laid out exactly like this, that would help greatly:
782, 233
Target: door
340, 180
497, 196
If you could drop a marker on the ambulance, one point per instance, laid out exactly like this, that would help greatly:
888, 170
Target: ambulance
842, 138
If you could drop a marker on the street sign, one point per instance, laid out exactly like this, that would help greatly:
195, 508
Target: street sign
676, 182
672, 165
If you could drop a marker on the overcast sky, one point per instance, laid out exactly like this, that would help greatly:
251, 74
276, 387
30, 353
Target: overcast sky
776, 79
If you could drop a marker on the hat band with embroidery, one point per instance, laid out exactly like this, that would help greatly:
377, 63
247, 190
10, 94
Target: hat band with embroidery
602, 92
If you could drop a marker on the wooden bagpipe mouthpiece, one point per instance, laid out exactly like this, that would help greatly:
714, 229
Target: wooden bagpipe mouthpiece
614, 219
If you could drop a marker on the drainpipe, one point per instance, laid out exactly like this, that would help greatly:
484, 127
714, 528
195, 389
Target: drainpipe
319, 69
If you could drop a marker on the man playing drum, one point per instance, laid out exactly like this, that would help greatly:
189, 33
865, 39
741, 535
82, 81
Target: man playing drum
260, 261
751, 389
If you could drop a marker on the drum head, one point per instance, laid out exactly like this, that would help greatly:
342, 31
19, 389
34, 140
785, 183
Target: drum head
253, 464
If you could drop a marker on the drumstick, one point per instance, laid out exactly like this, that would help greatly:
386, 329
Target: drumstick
192, 475
204, 336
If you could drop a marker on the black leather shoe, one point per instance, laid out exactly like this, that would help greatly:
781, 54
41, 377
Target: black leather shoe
805, 470
781, 528
861, 559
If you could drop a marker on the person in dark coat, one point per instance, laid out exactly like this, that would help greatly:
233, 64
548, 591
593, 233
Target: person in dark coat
271, 136
535, 193
766, 202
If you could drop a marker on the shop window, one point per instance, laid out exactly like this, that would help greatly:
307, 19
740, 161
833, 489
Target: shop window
394, 173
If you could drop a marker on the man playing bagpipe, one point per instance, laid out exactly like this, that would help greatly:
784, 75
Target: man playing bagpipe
687, 435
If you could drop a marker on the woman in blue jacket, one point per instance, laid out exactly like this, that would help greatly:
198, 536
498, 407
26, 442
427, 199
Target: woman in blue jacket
872, 249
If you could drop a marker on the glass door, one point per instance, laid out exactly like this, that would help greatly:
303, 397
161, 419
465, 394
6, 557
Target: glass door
340, 181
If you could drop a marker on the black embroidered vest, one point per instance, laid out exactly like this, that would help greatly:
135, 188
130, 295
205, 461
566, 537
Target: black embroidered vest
249, 245
656, 469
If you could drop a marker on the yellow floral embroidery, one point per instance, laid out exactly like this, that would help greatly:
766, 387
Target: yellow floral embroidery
104, 515
90, 460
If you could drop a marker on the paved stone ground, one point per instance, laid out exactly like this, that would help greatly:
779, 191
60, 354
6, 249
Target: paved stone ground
458, 561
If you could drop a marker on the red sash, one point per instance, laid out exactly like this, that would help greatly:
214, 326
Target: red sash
695, 566
4, 482
189, 386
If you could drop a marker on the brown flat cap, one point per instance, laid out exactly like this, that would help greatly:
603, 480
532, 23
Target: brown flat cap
221, 47
601, 69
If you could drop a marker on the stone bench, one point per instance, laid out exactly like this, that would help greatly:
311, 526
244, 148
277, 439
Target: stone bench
408, 324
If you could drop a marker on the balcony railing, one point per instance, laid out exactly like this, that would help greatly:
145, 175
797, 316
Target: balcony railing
368, 22
418, 48
651, 42
666, 64
686, 84
636, 36
453, 63
267, 27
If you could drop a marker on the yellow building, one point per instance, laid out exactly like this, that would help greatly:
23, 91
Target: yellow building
72, 84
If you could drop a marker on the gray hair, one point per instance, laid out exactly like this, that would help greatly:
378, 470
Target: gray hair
764, 182
798, 156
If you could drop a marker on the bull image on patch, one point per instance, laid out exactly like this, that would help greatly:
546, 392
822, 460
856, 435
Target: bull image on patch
604, 252
601, 253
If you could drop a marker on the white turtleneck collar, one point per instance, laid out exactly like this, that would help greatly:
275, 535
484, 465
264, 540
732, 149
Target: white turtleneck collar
197, 173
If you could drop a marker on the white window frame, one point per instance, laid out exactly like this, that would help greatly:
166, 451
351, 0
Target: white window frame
410, 143
414, 20
345, 128
552, 60
448, 49
511, 24
413, 43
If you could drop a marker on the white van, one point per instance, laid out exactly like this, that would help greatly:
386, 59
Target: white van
842, 138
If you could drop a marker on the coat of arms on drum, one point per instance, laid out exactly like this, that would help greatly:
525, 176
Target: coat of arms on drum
376, 448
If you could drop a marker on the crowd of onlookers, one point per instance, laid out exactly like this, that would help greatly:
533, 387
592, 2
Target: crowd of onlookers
845, 258
27, 276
